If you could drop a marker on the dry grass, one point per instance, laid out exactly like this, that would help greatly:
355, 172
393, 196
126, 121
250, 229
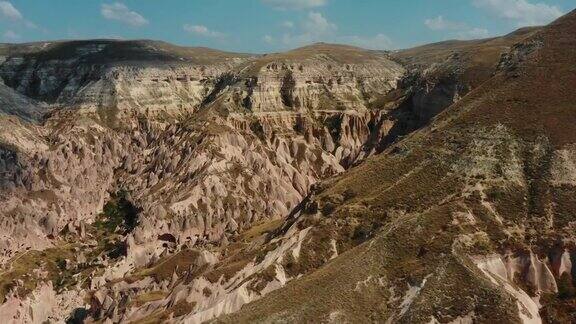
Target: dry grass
148, 297
178, 263
260, 229
179, 309
476, 58
26, 267
121, 51
392, 259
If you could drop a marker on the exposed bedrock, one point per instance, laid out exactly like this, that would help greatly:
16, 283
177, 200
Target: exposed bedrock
199, 180
196, 184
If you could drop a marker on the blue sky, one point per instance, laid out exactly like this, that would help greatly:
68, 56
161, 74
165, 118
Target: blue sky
273, 25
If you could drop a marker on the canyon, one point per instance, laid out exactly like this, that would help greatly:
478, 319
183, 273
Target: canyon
146, 182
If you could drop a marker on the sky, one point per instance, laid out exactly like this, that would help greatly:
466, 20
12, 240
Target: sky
260, 26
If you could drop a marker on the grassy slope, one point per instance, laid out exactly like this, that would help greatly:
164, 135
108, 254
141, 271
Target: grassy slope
480, 57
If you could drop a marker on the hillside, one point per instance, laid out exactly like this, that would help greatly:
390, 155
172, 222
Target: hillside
117, 51
475, 207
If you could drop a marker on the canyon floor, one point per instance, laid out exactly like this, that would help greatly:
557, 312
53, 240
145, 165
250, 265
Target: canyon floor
146, 182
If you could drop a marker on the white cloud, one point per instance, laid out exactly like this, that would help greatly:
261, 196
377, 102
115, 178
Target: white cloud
318, 24
473, 33
268, 39
295, 4
10, 36
522, 12
288, 24
16, 19
119, 12
377, 42
455, 29
439, 23
314, 28
317, 28
7, 10
202, 30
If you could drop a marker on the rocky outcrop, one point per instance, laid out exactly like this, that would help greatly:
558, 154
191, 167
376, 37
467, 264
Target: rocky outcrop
55, 182
116, 79
440, 74
311, 78
301, 80
523, 269
13, 103
211, 169
212, 165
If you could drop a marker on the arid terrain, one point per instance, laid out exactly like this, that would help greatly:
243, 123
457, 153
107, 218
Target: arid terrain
143, 182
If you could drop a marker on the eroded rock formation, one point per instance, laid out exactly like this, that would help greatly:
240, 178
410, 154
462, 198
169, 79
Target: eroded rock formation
162, 183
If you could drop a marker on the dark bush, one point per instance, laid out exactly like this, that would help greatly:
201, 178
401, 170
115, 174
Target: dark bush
118, 213
566, 288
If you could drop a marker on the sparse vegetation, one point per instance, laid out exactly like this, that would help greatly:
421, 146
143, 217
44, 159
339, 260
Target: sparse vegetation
179, 309
151, 296
27, 270
561, 307
119, 214
333, 123
259, 229
178, 263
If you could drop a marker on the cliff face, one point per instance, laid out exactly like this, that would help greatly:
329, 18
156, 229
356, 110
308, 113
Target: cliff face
440, 74
167, 183
320, 77
127, 124
150, 80
13, 103
116, 79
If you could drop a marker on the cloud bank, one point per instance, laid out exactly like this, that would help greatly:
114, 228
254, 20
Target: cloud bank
295, 4
521, 12
120, 12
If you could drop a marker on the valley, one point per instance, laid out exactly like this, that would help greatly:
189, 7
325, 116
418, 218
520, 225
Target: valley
146, 182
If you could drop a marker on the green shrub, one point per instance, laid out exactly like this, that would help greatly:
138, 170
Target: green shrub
118, 213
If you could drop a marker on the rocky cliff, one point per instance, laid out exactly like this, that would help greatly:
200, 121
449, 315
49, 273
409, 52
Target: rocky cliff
116, 77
